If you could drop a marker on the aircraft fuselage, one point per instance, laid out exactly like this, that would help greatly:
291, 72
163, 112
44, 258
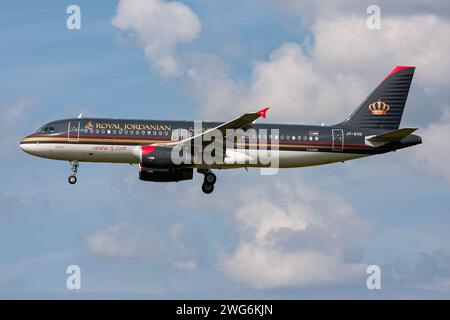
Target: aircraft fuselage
110, 140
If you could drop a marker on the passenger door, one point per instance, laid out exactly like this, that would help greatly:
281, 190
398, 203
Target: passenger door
338, 139
73, 131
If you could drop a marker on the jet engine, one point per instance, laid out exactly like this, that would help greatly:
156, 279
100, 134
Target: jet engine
159, 157
165, 175
163, 164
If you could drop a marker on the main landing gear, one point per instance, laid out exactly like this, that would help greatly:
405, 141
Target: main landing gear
208, 181
73, 179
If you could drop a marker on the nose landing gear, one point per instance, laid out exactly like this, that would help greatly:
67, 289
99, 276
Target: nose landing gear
208, 181
73, 179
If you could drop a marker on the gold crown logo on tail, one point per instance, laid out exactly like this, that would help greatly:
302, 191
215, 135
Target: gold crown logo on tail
379, 108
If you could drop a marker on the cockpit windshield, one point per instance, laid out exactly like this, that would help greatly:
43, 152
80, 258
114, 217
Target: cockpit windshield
45, 129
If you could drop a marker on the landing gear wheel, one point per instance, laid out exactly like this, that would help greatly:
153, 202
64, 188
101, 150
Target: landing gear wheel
72, 179
74, 164
207, 188
210, 178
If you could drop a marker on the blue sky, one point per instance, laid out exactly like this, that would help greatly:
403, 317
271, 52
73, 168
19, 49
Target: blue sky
143, 240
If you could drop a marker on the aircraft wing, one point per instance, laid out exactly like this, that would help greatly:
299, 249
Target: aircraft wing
238, 123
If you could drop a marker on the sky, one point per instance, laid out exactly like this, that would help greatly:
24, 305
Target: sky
301, 234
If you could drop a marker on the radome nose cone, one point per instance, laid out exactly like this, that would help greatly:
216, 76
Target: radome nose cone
25, 147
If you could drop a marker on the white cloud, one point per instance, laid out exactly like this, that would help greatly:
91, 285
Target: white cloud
159, 27
324, 80
262, 267
188, 265
288, 83
346, 45
434, 153
169, 244
114, 241
291, 234
309, 10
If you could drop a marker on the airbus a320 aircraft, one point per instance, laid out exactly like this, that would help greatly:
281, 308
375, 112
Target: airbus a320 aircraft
373, 128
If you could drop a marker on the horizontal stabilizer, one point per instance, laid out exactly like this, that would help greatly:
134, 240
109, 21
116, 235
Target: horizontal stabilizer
390, 136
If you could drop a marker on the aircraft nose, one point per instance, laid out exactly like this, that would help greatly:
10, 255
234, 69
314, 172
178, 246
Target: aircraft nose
26, 147
22, 145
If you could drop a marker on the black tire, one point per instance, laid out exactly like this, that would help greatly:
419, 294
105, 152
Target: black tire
207, 188
210, 178
72, 179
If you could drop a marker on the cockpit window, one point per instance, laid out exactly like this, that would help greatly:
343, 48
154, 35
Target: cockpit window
46, 130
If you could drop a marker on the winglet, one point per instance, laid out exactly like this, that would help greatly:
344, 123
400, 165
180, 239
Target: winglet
263, 112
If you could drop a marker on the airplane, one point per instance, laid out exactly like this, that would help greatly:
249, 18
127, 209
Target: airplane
373, 128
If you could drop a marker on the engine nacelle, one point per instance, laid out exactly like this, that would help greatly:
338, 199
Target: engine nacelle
165, 175
156, 157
